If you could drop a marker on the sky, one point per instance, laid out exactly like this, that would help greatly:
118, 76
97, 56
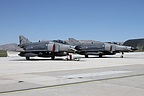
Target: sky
101, 20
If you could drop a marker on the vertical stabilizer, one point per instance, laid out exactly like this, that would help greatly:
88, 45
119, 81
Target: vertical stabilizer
23, 40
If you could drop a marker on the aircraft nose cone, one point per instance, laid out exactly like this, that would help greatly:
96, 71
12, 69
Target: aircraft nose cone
78, 48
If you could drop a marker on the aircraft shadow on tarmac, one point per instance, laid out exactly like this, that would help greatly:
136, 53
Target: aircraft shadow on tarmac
61, 59
101, 57
35, 59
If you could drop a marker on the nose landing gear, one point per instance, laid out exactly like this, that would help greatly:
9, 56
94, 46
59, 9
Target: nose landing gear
122, 55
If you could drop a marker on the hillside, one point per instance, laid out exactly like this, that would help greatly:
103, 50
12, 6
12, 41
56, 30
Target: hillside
9, 47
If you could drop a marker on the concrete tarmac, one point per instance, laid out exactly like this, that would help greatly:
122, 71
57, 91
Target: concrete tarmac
107, 76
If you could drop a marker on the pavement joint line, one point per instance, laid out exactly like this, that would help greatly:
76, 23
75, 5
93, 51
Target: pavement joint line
80, 82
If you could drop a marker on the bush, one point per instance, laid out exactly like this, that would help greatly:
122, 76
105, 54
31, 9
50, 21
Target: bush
3, 53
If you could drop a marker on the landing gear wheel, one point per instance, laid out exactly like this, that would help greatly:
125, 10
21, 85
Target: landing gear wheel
53, 57
27, 58
86, 56
100, 55
122, 55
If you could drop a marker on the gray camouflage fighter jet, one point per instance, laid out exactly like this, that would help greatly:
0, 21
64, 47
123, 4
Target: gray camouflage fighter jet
99, 48
43, 48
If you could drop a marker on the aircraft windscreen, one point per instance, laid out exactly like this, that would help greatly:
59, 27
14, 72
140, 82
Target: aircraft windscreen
60, 41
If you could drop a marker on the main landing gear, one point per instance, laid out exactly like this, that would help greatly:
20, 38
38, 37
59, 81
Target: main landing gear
86, 56
53, 57
27, 58
100, 55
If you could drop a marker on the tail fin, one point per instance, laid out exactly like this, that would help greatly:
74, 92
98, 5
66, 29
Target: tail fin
74, 41
23, 40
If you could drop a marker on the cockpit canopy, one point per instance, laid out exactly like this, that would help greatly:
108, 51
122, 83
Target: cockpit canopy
60, 41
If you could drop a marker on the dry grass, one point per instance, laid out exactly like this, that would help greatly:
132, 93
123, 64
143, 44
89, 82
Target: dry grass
3, 53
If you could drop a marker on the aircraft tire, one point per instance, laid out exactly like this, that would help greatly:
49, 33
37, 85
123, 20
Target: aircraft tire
100, 55
53, 57
27, 58
86, 56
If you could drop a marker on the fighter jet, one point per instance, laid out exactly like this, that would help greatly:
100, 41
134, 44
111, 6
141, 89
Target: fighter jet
99, 48
43, 48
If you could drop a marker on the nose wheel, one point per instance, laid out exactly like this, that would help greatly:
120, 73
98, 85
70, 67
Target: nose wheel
122, 55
